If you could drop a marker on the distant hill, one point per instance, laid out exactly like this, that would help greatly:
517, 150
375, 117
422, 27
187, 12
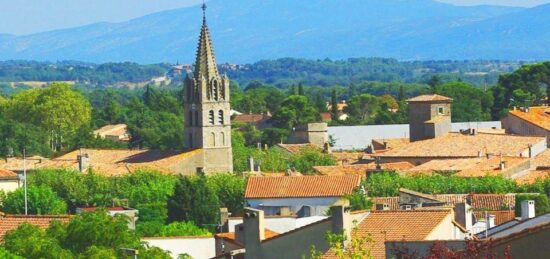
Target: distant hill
245, 31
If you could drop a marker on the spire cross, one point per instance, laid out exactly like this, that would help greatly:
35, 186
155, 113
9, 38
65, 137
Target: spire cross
203, 10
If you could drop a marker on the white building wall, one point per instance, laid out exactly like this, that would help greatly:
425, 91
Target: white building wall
319, 206
196, 247
8, 185
279, 224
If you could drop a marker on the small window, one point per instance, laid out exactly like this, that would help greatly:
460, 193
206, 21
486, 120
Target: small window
220, 117
211, 117
440, 110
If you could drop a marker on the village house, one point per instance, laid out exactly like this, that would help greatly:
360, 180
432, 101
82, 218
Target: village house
379, 226
528, 121
9, 181
11, 222
118, 132
303, 196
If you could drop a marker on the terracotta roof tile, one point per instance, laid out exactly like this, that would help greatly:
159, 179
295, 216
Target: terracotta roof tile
492, 166
430, 98
11, 222
532, 176
401, 225
392, 202
457, 145
301, 186
7, 174
392, 143
232, 236
111, 162
360, 169
493, 201
251, 118
538, 116
296, 148
501, 216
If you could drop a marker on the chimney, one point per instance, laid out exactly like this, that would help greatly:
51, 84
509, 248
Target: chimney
83, 162
463, 215
224, 219
491, 221
527, 209
253, 230
341, 221
502, 165
251, 164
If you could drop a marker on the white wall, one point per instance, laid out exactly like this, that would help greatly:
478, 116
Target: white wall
9, 185
196, 247
319, 206
279, 224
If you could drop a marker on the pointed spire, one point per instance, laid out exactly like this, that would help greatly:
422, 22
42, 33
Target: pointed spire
205, 64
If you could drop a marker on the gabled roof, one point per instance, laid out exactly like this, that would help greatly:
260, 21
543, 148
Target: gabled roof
11, 222
405, 225
360, 169
501, 216
430, 98
301, 186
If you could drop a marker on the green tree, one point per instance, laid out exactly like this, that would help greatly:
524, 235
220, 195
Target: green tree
230, 191
295, 110
333, 105
41, 201
7, 254
469, 103
310, 157
30, 241
363, 108
194, 201
58, 109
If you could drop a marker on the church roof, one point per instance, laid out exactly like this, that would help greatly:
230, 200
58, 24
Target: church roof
205, 64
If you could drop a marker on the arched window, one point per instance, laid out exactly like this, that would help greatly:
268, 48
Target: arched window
189, 93
197, 122
211, 117
190, 118
215, 90
222, 140
220, 117
212, 139
222, 92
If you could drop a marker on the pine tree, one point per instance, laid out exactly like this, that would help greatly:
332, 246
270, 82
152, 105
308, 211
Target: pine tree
334, 105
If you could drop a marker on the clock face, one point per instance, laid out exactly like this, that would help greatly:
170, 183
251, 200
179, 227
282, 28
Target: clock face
193, 106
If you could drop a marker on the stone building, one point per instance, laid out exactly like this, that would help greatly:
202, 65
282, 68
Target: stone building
429, 116
207, 109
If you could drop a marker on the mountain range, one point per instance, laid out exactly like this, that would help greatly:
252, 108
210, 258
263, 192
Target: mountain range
245, 31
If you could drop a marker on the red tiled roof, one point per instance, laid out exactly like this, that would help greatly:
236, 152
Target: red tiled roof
493, 201
501, 216
538, 116
11, 222
404, 225
251, 118
326, 116
532, 176
296, 148
301, 186
392, 202
7, 174
457, 145
430, 98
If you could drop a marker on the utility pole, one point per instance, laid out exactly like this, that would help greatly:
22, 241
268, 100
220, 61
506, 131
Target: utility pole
25, 177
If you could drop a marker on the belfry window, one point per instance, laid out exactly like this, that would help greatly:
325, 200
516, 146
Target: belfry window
211, 117
220, 117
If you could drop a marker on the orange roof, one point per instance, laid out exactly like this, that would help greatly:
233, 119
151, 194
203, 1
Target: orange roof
538, 116
492, 166
457, 145
11, 222
532, 176
542, 160
7, 174
404, 225
251, 118
111, 162
392, 143
301, 186
430, 98
360, 169
326, 116
392, 202
501, 216
493, 201
296, 148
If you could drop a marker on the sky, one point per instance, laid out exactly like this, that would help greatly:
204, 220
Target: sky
31, 16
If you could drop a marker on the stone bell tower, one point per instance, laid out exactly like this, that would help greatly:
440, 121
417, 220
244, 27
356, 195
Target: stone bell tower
207, 108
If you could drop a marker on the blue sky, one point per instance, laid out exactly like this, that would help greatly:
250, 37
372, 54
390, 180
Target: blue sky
31, 16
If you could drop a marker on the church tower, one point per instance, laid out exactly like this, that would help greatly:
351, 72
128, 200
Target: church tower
207, 108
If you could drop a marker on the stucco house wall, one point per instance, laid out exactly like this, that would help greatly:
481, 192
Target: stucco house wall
319, 206
515, 125
9, 185
196, 247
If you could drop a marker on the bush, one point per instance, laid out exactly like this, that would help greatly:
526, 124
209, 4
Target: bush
41, 201
541, 203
